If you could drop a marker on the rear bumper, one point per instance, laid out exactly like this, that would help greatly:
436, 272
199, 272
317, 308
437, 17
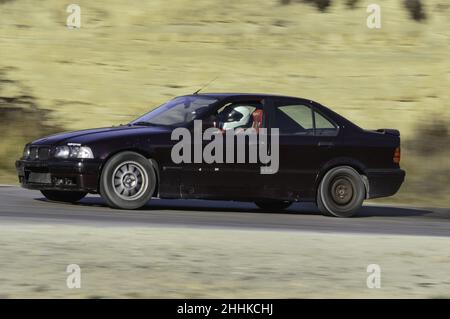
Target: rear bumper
75, 175
384, 182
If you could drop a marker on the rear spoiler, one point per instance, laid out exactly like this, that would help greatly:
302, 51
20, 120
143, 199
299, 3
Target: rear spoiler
388, 131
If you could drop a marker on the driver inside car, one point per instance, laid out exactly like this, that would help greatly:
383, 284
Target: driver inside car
235, 117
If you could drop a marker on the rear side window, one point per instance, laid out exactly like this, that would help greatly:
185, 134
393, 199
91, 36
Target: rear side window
324, 127
300, 119
294, 119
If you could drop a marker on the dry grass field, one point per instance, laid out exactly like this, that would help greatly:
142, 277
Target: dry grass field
130, 56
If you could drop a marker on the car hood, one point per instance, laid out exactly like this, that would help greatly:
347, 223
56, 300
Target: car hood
92, 135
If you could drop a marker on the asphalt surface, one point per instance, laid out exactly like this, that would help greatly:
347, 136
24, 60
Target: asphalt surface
19, 205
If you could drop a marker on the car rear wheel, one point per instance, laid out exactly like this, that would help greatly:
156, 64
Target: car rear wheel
128, 181
63, 196
273, 205
341, 192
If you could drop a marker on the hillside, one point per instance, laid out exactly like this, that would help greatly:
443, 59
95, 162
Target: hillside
131, 56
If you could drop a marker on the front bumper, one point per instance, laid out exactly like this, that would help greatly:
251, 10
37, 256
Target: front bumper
74, 175
384, 182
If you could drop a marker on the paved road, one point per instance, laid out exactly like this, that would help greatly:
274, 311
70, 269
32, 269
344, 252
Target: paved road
19, 205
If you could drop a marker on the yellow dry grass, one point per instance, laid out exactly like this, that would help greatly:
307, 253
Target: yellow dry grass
131, 56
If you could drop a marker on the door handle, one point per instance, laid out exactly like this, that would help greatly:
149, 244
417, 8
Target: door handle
325, 144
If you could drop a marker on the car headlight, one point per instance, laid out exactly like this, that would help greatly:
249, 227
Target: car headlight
26, 151
73, 152
81, 152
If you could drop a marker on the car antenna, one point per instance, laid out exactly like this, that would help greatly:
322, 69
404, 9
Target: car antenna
206, 85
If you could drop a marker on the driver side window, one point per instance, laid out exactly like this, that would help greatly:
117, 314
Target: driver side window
237, 115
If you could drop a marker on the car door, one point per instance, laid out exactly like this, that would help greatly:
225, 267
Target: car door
229, 179
307, 140
241, 179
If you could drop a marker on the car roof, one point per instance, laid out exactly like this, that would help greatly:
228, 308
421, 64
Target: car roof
235, 96
222, 96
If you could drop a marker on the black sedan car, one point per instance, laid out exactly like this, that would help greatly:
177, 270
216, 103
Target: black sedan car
313, 154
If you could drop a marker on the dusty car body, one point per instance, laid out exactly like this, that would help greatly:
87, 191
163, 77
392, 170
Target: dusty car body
323, 158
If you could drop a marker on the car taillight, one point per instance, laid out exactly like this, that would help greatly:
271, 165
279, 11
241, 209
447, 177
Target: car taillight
396, 158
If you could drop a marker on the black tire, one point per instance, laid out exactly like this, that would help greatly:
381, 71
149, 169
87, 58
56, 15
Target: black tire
128, 181
341, 192
273, 205
63, 196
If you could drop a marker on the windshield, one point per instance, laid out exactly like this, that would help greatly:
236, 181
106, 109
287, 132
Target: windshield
177, 112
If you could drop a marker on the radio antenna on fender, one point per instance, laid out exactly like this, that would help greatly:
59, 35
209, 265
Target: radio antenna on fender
206, 85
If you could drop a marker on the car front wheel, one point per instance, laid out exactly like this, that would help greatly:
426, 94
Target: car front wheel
341, 192
128, 181
63, 196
